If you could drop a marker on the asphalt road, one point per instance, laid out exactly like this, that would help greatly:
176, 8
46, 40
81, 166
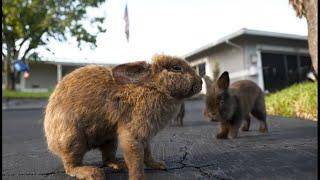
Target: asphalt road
288, 151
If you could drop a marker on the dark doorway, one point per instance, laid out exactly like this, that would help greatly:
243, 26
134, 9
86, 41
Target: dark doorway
283, 70
202, 69
293, 71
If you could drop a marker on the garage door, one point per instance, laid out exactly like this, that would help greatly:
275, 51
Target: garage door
283, 70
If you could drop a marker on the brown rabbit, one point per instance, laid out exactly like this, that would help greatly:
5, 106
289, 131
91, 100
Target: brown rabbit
231, 105
179, 119
94, 107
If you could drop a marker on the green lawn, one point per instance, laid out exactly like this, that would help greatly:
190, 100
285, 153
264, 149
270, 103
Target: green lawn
298, 100
17, 94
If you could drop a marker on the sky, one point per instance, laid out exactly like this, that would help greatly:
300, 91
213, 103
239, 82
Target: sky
174, 27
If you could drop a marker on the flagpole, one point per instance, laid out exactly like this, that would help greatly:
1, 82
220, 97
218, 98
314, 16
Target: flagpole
126, 19
126, 30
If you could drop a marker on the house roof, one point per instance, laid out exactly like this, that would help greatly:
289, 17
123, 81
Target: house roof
242, 32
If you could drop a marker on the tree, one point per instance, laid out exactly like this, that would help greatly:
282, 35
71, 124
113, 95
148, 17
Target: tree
309, 9
28, 24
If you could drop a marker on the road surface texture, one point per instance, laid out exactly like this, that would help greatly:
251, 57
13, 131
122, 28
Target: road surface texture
288, 151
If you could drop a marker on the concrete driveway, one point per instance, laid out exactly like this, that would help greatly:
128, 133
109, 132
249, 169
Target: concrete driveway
288, 151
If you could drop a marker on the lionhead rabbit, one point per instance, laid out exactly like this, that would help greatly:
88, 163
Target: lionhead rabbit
231, 105
94, 107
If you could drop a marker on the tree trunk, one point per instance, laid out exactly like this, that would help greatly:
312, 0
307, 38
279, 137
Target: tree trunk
13, 80
7, 73
311, 7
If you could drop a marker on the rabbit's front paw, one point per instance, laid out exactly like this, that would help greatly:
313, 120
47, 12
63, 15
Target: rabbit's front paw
245, 128
222, 136
263, 129
116, 165
155, 164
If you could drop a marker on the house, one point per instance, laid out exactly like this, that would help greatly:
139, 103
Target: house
44, 75
272, 60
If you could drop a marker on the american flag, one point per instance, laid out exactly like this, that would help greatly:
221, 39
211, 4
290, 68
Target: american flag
126, 19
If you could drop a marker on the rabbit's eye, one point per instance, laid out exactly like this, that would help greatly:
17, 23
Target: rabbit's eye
176, 68
219, 102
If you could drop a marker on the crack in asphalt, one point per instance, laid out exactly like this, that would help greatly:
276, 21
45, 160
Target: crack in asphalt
184, 157
185, 150
211, 174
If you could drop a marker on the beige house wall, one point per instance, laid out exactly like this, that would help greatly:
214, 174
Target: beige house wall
229, 58
42, 76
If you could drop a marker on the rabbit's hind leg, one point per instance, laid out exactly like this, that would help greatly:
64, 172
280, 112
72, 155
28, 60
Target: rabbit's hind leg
72, 165
259, 111
246, 123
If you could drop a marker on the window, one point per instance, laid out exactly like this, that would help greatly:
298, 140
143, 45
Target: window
281, 70
292, 69
202, 69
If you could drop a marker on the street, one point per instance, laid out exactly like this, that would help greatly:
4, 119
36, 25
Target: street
288, 151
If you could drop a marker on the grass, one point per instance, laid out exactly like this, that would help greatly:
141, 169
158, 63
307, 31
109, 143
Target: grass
298, 100
24, 95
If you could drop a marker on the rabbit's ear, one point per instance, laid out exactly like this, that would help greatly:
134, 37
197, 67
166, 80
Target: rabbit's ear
132, 73
224, 81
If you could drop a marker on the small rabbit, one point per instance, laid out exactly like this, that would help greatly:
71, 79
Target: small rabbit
179, 119
231, 105
94, 107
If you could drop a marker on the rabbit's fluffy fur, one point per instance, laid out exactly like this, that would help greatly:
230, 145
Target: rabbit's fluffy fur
233, 104
94, 107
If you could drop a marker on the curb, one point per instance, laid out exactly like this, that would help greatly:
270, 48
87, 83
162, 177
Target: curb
6, 107
21, 108
23, 104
